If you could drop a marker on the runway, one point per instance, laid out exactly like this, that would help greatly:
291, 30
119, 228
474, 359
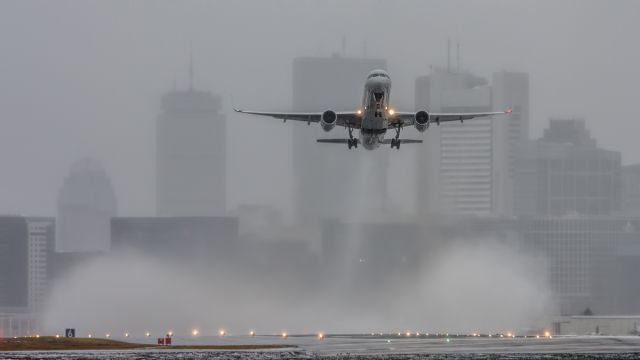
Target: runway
377, 347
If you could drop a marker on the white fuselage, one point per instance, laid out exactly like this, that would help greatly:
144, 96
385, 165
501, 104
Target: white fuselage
375, 107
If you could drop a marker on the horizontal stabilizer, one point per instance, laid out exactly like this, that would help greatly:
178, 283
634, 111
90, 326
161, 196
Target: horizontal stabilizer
404, 141
335, 141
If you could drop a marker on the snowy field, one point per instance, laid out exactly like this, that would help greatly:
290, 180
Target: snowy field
354, 347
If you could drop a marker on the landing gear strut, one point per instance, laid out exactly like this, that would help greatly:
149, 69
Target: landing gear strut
351, 142
395, 142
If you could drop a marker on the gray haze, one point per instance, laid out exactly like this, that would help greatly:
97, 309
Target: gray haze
84, 78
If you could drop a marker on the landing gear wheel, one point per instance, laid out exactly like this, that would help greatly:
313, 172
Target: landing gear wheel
395, 142
351, 142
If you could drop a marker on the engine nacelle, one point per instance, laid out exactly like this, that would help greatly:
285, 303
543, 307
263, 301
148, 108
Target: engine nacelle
328, 120
422, 120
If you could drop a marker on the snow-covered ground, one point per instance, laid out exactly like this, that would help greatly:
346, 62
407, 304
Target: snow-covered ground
354, 347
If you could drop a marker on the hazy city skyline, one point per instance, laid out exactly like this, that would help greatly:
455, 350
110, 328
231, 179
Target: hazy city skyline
80, 77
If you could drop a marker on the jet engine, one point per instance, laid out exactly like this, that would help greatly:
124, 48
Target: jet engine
328, 120
422, 120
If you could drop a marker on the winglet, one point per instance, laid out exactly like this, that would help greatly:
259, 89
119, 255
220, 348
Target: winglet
237, 110
509, 110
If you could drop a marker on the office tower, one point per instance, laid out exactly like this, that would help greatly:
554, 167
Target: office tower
196, 239
41, 245
26, 245
14, 257
467, 168
86, 204
566, 173
584, 253
190, 154
631, 189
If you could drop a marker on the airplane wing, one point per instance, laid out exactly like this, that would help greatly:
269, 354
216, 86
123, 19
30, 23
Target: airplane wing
408, 118
345, 118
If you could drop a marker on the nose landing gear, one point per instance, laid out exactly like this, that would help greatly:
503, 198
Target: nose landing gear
395, 142
351, 142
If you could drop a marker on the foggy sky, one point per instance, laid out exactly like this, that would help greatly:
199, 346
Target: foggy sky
84, 78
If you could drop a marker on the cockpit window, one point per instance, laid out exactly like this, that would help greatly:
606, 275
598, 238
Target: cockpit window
378, 74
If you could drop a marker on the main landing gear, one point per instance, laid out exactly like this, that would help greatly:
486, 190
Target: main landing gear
351, 142
395, 142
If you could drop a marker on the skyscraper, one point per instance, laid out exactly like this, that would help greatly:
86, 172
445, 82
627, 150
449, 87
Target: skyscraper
326, 175
86, 204
13, 261
26, 245
190, 154
467, 168
565, 173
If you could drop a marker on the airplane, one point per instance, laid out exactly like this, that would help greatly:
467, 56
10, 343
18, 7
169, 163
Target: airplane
374, 117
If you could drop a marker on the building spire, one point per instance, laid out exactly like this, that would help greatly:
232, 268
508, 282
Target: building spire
458, 57
449, 55
191, 71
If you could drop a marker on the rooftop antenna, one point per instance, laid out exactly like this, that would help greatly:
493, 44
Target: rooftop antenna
344, 45
191, 71
458, 57
448, 54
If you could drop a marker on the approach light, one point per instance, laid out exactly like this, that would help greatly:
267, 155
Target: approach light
547, 334
408, 333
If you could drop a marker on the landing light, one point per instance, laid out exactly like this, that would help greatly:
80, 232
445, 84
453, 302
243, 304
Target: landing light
89, 336
223, 333
170, 333
57, 336
391, 111
252, 333
107, 335
547, 334
359, 112
147, 334
195, 332
284, 335
321, 336
126, 334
